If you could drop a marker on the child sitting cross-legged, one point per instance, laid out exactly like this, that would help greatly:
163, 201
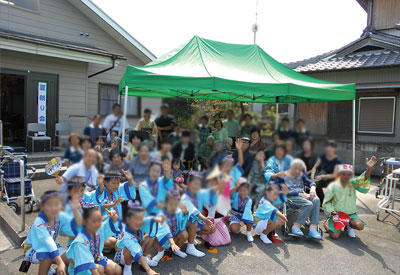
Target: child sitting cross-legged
241, 208
85, 252
137, 239
267, 217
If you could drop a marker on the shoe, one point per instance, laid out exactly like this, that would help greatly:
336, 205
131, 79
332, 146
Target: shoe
51, 271
191, 250
276, 239
297, 231
315, 235
249, 237
265, 239
180, 254
351, 232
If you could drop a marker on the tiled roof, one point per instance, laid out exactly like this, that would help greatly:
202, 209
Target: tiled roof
366, 57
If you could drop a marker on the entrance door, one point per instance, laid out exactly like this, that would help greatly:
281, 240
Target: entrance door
51, 90
12, 98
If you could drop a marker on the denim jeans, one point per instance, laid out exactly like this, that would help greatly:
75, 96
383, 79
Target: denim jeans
308, 209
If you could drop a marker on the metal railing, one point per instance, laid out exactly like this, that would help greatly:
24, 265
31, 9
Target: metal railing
22, 175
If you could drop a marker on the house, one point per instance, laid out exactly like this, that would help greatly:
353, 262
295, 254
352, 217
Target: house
373, 63
68, 53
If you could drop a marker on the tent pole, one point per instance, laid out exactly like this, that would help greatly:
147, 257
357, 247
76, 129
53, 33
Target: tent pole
276, 116
354, 135
124, 119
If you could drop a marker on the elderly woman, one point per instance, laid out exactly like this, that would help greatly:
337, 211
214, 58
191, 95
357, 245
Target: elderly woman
296, 181
277, 164
256, 143
139, 166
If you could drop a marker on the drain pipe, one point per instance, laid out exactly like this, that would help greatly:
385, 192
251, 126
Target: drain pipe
113, 58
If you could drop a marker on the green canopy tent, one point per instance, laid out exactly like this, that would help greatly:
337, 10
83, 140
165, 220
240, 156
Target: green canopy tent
207, 69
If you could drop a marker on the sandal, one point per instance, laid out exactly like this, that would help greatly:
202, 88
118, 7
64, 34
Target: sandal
298, 232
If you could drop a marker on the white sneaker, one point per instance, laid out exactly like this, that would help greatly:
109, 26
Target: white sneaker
127, 270
249, 236
265, 239
180, 253
351, 232
191, 250
151, 263
51, 271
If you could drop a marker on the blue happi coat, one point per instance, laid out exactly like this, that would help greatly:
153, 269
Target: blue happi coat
194, 204
152, 193
235, 174
241, 209
266, 209
85, 252
274, 166
42, 238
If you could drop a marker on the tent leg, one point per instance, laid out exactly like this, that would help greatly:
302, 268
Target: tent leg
124, 118
354, 135
276, 116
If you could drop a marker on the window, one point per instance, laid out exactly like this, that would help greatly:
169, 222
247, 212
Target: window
376, 115
32, 5
108, 96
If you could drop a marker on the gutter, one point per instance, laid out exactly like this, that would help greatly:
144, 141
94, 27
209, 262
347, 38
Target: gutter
113, 58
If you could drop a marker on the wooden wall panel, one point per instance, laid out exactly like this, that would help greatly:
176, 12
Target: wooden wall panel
315, 115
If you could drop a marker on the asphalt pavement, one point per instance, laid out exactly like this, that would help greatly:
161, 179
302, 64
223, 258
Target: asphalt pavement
375, 250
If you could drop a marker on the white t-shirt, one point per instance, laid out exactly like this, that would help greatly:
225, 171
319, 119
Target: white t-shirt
109, 122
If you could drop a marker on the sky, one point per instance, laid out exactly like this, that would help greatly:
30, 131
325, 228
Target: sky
289, 30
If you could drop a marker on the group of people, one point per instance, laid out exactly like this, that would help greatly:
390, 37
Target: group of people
161, 191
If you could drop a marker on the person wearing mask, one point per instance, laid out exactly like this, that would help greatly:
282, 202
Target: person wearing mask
232, 126
147, 125
165, 123
256, 142
184, 150
115, 121
328, 163
307, 155
94, 129
247, 156
248, 126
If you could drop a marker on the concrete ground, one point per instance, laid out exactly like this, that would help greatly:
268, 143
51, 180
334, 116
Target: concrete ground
374, 251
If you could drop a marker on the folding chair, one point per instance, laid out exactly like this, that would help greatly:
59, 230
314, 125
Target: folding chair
36, 128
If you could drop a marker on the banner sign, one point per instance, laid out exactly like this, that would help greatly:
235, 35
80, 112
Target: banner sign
42, 100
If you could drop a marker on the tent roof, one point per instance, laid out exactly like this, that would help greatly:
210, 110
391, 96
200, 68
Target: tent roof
214, 70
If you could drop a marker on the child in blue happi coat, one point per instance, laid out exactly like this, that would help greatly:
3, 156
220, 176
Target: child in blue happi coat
137, 239
241, 208
267, 217
41, 246
85, 253
154, 189
173, 232
195, 198
112, 193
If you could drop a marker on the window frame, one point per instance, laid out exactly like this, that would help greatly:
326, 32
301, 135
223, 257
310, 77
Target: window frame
139, 101
21, 8
393, 117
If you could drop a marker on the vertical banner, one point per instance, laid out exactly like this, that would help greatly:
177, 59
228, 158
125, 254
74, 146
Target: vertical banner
42, 100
